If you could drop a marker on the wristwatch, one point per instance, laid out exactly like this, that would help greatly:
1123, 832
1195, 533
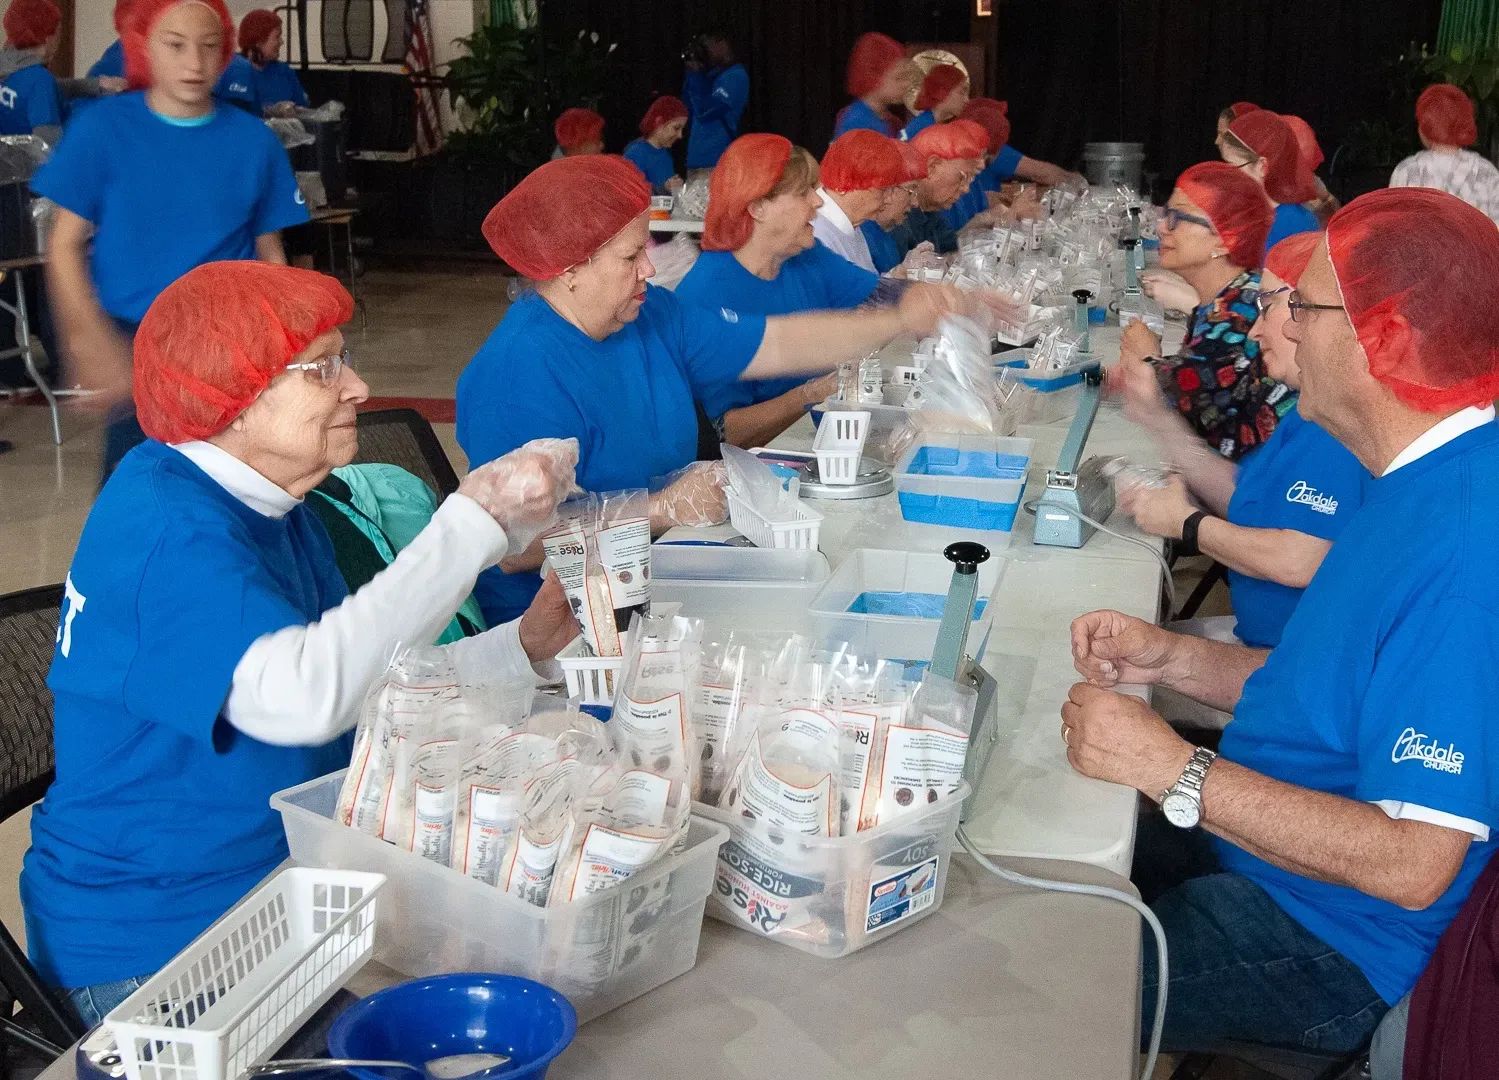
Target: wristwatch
1187, 545
1182, 802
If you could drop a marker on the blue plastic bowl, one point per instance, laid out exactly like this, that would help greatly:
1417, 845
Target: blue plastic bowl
457, 1014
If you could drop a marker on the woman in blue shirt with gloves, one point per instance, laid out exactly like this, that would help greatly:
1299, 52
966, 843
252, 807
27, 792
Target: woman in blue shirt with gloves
660, 129
1272, 519
31, 101
151, 184
595, 353
760, 256
209, 652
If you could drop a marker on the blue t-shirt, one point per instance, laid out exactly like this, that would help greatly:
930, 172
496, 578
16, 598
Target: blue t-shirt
158, 820
715, 101
1290, 219
112, 63
917, 124
30, 98
1006, 160
654, 162
970, 204
857, 115
813, 280
165, 198
277, 82
626, 399
990, 178
882, 247
239, 85
1301, 479
1382, 688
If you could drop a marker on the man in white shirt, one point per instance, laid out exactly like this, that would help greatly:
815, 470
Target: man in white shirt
1354, 800
857, 172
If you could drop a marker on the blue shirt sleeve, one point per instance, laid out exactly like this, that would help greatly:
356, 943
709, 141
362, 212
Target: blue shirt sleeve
728, 97
1005, 162
717, 345
112, 63
78, 171
44, 101
919, 123
1437, 750
281, 204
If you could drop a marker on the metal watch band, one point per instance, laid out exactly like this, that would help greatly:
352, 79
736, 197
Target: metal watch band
1196, 771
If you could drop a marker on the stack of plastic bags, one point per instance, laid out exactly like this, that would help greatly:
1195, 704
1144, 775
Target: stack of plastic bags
957, 391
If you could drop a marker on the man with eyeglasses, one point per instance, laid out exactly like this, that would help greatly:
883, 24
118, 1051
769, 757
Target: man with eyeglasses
954, 154
1351, 808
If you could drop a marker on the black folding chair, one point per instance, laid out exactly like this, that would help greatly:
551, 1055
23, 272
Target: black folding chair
403, 437
28, 631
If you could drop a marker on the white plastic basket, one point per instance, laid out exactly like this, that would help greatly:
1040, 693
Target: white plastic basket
594, 679
800, 533
247, 983
838, 445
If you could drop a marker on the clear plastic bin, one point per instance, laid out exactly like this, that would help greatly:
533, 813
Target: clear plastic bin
833, 896
601, 951
739, 588
870, 577
971, 484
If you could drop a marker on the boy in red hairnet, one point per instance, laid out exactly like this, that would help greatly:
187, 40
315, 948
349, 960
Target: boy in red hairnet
150, 184
260, 45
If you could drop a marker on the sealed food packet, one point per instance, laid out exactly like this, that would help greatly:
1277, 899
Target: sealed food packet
434, 792
921, 757
601, 552
868, 696
623, 831
497, 761
788, 776
531, 855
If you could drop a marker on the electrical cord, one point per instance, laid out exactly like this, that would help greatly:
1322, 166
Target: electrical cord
1154, 549
1118, 895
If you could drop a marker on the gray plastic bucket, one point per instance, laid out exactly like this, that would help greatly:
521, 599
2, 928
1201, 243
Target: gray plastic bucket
1110, 163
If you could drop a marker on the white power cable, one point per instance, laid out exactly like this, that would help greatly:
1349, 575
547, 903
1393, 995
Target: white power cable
1152, 547
1106, 893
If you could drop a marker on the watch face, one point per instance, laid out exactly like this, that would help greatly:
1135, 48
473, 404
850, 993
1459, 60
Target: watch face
1181, 810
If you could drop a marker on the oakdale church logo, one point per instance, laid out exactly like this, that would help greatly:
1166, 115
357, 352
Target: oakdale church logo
1414, 746
1300, 492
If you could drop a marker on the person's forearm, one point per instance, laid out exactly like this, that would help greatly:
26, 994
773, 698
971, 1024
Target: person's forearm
816, 342
1210, 477
756, 425
497, 656
92, 346
302, 686
268, 248
1212, 672
1330, 838
1041, 172
1284, 556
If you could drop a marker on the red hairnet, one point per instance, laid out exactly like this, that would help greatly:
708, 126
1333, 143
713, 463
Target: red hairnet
29, 23
217, 336
872, 57
256, 27
1287, 179
1306, 142
1241, 108
1444, 116
861, 160
1418, 270
748, 169
1236, 206
142, 17
577, 127
939, 82
1287, 260
993, 117
663, 110
915, 161
565, 211
121, 14
954, 141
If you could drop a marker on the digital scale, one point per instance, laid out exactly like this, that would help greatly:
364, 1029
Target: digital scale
872, 480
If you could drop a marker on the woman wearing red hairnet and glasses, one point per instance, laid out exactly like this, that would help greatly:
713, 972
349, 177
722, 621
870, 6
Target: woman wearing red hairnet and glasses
955, 154
660, 129
151, 184
1444, 120
1265, 148
597, 354
860, 174
209, 653
1213, 235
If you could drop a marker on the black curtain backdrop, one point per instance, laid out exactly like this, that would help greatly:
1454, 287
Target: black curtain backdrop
1059, 67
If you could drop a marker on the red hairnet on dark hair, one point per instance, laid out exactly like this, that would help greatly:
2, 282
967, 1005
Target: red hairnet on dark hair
663, 110
1236, 206
862, 160
1287, 260
748, 169
993, 117
217, 336
953, 141
1444, 116
141, 19
564, 211
915, 161
1287, 179
1418, 270
873, 55
939, 82
1306, 142
256, 28
578, 127
29, 23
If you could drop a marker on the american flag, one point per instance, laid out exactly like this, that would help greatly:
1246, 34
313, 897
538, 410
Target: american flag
419, 63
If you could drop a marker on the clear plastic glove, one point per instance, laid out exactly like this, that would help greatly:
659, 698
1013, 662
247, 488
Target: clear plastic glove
522, 490
1170, 290
921, 257
693, 497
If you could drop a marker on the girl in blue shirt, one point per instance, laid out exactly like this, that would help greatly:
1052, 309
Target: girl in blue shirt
1262, 144
30, 99
759, 255
880, 75
260, 44
942, 97
149, 185
1272, 519
660, 129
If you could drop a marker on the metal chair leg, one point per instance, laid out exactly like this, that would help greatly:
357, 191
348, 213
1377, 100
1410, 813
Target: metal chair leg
23, 339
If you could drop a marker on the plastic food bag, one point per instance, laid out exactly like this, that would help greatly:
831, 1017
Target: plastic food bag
601, 552
921, 756
531, 855
956, 392
755, 482
497, 761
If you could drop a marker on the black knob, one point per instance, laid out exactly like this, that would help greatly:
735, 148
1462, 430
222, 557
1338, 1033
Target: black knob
967, 555
1129, 242
1082, 296
1134, 212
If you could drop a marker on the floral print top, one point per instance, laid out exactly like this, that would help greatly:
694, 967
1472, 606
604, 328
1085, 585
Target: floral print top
1217, 380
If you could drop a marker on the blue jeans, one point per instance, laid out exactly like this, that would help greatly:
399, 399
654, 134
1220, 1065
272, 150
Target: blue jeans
93, 1002
1241, 968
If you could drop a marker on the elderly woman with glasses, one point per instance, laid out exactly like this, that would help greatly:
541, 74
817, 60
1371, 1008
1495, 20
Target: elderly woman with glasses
209, 653
1213, 236
1272, 518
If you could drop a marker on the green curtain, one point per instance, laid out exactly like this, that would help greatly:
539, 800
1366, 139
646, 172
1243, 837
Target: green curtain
1468, 22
